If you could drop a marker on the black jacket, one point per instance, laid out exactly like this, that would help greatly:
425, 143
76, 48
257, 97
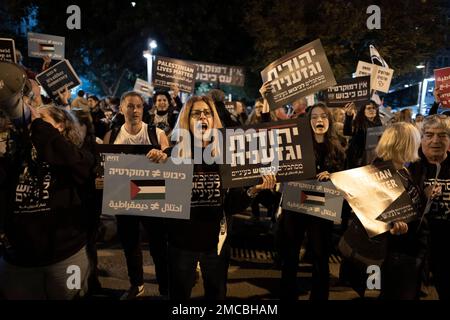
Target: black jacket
45, 220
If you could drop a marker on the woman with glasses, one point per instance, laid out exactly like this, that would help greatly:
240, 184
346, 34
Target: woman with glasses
329, 158
367, 117
197, 239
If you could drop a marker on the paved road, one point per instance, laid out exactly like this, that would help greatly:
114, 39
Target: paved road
252, 275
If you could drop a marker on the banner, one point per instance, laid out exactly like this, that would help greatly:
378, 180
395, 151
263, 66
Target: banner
168, 72
283, 148
135, 186
442, 77
376, 195
380, 77
220, 74
298, 74
56, 77
143, 87
7, 50
319, 199
45, 45
355, 90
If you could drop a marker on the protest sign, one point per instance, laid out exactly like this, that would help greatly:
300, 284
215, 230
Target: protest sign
230, 106
355, 90
298, 74
168, 72
135, 186
319, 199
380, 77
7, 50
218, 73
283, 148
143, 87
45, 45
376, 195
442, 77
56, 77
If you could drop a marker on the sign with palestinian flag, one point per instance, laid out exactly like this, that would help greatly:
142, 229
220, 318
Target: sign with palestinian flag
46, 45
320, 199
135, 186
148, 189
376, 195
143, 87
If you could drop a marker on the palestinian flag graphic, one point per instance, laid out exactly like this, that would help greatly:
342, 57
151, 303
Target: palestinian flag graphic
47, 47
148, 189
313, 198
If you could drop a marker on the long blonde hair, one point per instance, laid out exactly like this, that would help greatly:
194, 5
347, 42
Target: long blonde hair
183, 125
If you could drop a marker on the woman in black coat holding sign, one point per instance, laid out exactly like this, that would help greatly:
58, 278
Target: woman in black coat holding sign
199, 238
329, 158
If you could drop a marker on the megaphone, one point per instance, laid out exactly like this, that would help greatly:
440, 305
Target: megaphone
14, 84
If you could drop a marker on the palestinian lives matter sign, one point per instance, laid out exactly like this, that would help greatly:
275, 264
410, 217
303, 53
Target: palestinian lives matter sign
168, 72
135, 186
45, 45
283, 148
7, 50
55, 78
355, 90
380, 77
319, 199
376, 195
143, 87
442, 77
298, 74
218, 73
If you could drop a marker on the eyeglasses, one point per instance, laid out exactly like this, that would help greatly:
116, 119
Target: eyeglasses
317, 116
196, 114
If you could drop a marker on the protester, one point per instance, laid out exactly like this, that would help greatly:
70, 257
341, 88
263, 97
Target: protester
405, 116
218, 97
45, 219
135, 131
329, 158
97, 116
406, 242
418, 121
197, 240
163, 116
434, 151
80, 102
366, 117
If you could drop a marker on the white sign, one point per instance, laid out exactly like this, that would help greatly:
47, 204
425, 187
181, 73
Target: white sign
380, 77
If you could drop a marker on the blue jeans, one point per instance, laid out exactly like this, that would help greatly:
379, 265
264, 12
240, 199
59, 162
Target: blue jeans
182, 269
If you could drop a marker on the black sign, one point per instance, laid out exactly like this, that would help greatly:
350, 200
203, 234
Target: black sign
355, 90
168, 72
55, 78
298, 74
7, 50
283, 148
218, 73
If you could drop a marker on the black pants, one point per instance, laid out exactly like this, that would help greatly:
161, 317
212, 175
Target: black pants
440, 256
129, 235
319, 233
182, 269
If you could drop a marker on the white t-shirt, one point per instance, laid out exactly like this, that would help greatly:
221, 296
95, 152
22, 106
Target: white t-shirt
140, 138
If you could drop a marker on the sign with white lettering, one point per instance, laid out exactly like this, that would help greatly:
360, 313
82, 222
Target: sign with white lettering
57, 77
283, 148
355, 90
442, 77
219, 73
45, 45
168, 72
319, 199
7, 50
298, 74
135, 186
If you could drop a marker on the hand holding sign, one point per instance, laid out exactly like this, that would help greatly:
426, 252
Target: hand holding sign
399, 228
350, 109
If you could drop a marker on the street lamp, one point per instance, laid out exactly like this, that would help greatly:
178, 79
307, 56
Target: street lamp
422, 87
148, 54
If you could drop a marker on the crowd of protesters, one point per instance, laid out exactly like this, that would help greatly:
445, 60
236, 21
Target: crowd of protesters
51, 186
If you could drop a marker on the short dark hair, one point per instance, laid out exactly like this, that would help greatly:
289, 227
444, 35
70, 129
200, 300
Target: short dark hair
81, 93
94, 98
162, 93
130, 94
